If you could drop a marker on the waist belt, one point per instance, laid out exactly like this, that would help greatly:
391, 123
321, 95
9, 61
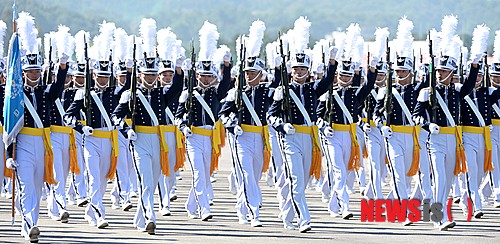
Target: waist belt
264, 131
128, 121
495, 122
354, 160
48, 155
113, 135
485, 131
460, 164
73, 156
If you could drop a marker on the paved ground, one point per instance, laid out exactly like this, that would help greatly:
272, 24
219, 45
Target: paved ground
224, 227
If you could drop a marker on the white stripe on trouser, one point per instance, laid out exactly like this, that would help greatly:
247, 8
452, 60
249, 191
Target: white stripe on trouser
474, 153
279, 173
56, 201
97, 153
121, 186
248, 150
377, 153
30, 157
495, 154
400, 149
78, 183
360, 174
339, 148
326, 168
425, 167
442, 148
199, 155
297, 149
166, 183
147, 159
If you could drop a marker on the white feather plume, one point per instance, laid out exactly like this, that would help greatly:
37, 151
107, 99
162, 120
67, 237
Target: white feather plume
130, 47
49, 40
120, 45
3, 30
271, 54
380, 45
104, 41
496, 47
435, 36
357, 55
27, 33
65, 43
300, 36
319, 51
219, 55
404, 38
465, 56
454, 48
139, 54
448, 30
167, 44
479, 40
241, 39
339, 38
80, 38
147, 29
208, 41
255, 37
353, 32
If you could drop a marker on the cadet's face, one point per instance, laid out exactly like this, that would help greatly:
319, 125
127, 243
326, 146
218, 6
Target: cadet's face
33, 76
122, 79
148, 80
299, 74
495, 80
380, 77
403, 76
346, 80
253, 76
479, 80
67, 82
205, 80
444, 76
101, 80
2, 79
78, 81
166, 77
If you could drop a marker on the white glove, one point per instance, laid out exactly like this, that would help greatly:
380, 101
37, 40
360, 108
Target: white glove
87, 130
320, 69
289, 129
374, 61
227, 56
378, 122
328, 132
386, 131
367, 128
70, 121
491, 128
187, 132
477, 58
129, 63
277, 61
131, 135
333, 53
433, 128
187, 65
289, 67
356, 65
63, 59
234, 71
11, 163
238, 130
180, 60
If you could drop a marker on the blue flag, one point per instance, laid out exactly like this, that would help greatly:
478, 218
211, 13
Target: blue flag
13, 111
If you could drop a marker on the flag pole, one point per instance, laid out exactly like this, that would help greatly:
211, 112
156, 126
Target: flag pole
12, 210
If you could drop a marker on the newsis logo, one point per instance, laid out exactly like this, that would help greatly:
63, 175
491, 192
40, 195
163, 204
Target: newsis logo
402, 210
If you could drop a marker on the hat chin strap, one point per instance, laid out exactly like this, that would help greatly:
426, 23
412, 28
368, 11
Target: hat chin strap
450, 74
101, 87
255, 78
301, 77
346, 82
152, 83
405, 76
209, 84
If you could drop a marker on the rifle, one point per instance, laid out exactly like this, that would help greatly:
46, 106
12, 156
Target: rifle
48, 75
388, 95
241, 83
414, 79
461, 68
285, 84
368, 100
190, 85
87, 102
329, 101
133, 87
112, 78
432, 84
486, 76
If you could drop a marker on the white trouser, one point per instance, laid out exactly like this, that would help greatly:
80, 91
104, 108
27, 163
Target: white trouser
199, 155
78, 183
495, 154
339, 148
297, 149
97, 153
425, 168
442, 149
375, 146
30, 157
248, 153
56, 201
400, 151
474, 153
166, 183
146, 153
278, 166
121, 186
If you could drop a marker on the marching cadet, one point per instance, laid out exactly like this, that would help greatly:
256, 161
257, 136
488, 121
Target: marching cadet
249, 134
495, 133
196, 119
339, 113
34, 158
445, 139
294, 119
100, 140
62, 139
171, 77
401, 136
